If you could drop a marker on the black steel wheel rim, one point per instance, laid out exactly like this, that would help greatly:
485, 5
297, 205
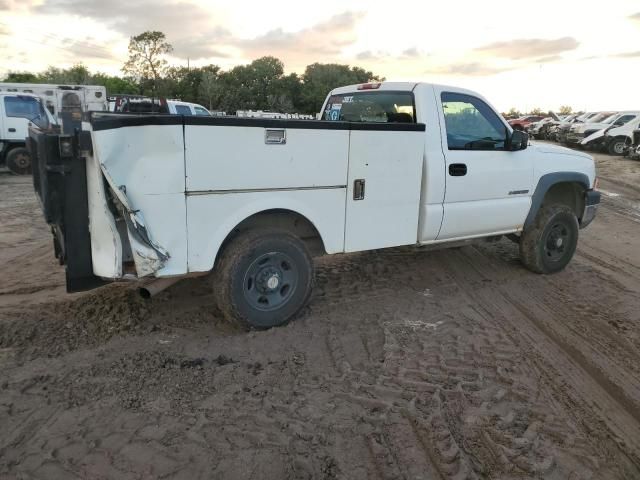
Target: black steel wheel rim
270, 281
22, 160
557, 243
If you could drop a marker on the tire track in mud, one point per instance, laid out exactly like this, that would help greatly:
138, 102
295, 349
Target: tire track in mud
578, 372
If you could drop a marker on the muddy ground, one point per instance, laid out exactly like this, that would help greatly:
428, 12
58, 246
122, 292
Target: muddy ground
453, 364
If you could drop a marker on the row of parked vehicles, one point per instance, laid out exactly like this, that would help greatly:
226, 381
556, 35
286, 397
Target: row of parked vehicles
614, 132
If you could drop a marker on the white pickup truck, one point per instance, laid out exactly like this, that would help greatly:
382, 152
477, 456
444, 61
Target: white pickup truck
158, 198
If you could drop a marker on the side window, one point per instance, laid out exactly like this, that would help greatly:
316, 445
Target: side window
26, 107
380, 107
625, 119
471, 124
201, 111
183, 110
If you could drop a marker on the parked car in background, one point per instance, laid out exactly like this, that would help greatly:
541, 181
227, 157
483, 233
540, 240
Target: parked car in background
600, 140
177, 107
616, 137
17, 111
632, 149
579, 131
144, 104
563, 129
523, 122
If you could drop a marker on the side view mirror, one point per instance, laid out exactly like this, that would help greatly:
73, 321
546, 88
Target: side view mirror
518, 140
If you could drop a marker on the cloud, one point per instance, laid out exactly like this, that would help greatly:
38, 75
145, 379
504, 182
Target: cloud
84, 50
470, 69
627, 54
635, 16
412, 52
177, 19
529, 48
324, 40
549, 59
188, 28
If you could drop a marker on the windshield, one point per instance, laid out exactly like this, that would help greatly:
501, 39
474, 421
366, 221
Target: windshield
611, 118
384, 107
31, 108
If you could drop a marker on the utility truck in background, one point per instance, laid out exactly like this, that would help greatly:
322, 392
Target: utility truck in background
64, 104
17, 111
156, 198
59, 98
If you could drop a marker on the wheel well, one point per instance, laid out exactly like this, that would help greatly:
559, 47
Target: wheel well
566, 193
287, 220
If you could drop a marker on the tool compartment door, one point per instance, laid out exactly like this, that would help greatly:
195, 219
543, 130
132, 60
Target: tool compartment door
383, 197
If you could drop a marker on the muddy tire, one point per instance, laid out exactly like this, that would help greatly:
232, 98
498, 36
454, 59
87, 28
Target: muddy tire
616, 146
549, 244
263, 278
19, 161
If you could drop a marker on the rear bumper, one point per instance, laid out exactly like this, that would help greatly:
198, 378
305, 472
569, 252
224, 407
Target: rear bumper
591, 202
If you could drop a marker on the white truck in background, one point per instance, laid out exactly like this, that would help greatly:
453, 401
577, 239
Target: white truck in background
16, 112
157, 198
62, 102
58, 98
615, 137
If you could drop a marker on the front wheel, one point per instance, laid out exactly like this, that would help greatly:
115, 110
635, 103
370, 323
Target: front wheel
263, 278
616, 146
19, 161
549, 244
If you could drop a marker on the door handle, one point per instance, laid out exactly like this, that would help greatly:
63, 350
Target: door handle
457, 169
358, 189
12, 130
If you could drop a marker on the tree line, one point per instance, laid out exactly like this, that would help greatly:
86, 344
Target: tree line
259, 85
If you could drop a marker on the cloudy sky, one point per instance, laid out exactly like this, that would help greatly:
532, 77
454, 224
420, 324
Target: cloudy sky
539, 53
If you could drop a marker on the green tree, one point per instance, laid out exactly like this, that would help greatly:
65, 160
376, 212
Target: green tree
210, 89
146, 61
514, 113
113, 84
21, 77
319, 79
565, 110
77, 75
536, 111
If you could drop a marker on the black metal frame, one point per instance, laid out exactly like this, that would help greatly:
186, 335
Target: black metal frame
61, 187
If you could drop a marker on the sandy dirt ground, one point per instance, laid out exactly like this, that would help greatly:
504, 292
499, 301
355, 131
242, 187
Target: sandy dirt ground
408, 364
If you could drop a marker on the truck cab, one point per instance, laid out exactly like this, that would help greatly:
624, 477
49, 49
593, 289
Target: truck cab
17, 111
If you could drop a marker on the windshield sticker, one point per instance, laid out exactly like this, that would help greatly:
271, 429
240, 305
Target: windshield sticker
334, 111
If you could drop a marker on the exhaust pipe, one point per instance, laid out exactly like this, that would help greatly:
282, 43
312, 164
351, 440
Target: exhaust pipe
154, 287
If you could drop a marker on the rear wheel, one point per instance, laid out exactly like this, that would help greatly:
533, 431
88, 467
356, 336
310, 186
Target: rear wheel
616, 146
263, 278
19, 161
549, 244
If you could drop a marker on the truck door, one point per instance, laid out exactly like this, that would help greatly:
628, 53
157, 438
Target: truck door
385, 165
488, 189
16, 112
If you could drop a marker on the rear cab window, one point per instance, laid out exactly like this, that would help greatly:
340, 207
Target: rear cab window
379, 106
